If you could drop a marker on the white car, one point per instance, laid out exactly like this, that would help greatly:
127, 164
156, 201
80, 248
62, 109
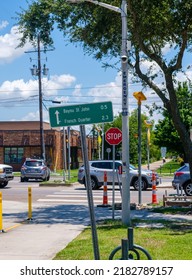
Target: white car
98, 167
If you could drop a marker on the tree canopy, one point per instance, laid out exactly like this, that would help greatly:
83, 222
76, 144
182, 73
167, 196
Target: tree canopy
165, 132
160, 32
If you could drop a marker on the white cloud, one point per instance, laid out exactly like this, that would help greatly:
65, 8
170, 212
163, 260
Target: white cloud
57, 82
3, 24
31, 116
20, 88
168, 49
8, 46
108, 92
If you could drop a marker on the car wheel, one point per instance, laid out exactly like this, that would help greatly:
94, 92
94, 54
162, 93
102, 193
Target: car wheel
22, 180
188, 188
3, 184
45, 179
143, 184
94, 184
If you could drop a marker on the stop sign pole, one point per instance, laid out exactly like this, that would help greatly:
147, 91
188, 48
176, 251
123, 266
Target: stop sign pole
113, 136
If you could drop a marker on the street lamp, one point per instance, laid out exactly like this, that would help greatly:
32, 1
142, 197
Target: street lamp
140, 97
125, 113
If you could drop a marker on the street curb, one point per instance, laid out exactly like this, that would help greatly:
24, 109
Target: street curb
56, 184
164, 187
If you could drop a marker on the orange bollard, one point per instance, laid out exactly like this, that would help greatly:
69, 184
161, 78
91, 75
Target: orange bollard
105, 196
154, 189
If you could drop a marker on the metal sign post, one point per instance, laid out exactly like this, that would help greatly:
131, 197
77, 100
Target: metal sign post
89, 193
113, 197
114, 137
140, 97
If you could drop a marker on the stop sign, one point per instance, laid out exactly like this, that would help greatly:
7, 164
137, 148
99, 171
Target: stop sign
113, 136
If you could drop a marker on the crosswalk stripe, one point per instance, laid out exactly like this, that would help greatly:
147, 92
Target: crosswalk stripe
76, 197
83, 196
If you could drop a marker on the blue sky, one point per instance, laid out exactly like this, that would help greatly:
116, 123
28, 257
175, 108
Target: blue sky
73, 77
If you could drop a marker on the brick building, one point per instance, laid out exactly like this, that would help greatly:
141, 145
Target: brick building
21, 139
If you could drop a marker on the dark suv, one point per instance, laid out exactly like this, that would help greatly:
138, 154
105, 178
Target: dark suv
34, 169
98, 167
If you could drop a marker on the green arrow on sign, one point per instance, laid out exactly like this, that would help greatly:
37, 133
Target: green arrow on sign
82, 114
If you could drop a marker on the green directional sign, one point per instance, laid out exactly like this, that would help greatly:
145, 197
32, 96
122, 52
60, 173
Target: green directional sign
99, 112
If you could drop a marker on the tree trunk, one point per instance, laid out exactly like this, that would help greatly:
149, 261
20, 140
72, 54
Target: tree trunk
172, 107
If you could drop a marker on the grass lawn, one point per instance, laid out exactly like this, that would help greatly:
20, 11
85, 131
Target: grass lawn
168, 168
163, 240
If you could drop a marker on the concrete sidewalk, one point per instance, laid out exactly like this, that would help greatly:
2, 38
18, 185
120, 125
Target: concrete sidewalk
50, 230
155, 165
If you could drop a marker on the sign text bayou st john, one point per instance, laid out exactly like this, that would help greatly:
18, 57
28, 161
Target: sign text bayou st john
82, 114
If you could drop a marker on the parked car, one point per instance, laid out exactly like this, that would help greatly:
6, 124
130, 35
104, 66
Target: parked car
6, 174
182, 179
34, 169
97, 169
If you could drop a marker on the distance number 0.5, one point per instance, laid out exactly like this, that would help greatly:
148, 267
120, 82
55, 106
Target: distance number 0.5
104, 107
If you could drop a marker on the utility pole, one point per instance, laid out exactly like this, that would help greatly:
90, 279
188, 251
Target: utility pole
42, 140
38, 71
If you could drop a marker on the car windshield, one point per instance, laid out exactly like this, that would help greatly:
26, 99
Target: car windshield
132, 167
185, 167
33, 163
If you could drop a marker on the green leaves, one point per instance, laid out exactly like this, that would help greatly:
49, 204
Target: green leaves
165, 132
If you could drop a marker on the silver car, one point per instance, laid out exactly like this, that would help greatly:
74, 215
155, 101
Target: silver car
182, 179
98, 167
34, 169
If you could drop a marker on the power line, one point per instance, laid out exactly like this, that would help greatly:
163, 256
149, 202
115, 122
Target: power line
65, 89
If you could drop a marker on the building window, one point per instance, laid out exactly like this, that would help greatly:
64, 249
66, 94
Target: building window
13, 155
